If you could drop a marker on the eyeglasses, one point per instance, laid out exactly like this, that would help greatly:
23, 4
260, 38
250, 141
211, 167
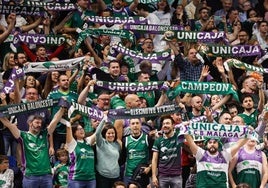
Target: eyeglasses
80, 128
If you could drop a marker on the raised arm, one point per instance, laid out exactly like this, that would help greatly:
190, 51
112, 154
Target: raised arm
26, 28
12, 127
193, 146
83, 95
238, 145
11, 19
133, 5
51, 127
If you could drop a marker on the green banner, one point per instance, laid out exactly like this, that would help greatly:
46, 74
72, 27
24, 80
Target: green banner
97, 32
203, 88
244, 66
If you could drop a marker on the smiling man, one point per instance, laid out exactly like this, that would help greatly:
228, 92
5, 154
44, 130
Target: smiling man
212, 164
167, 156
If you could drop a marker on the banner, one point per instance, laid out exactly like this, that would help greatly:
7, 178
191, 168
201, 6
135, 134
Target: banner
202, 88
92, 113
193, 36
97, 32
164, 55
39, 39
130, 86
142, 112
221, 130
149, 1
244, 66
56, 6
231, 51
61, 65
152, 29
22, 10
10, 110
117, 20
9, 85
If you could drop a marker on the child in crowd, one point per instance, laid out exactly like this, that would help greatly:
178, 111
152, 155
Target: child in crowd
61, 169
6, 174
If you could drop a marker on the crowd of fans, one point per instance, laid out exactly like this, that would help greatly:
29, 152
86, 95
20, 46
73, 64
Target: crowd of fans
51, 147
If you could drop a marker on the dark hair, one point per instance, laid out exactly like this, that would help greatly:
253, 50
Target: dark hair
119, 183
108, 10
108, 125
75, 127
135, 183
246, 96
203, 8
230, 11
167, 8
166, 117
113, 61
3, 158
143, 6
252, 9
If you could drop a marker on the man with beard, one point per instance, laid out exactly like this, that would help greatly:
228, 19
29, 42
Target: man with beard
167, 157
59, 136
35, 149
136, 149
253, 86
203, 19
250, 114
212, 164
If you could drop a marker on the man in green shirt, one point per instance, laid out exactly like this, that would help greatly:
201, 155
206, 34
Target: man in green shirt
35, 149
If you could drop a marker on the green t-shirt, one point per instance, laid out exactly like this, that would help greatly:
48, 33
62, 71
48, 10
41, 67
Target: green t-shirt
77, 20
70, 97
36, 153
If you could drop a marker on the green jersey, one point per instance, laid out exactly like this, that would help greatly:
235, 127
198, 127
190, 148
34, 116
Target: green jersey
82, 163
169, 151
250, 119
61, 175
137, 152
36, 154
77, 20
212, 171
70, 97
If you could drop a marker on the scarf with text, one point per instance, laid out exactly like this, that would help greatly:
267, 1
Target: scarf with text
54, 6
202, 88
117, 20
97, 32
244, 66
164, 55
22, 10
193, 36
9, 85
97, 114
149, 1
130, 86
231, 51
153, 29
38, 39
10, 110
221, 130
61, 65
